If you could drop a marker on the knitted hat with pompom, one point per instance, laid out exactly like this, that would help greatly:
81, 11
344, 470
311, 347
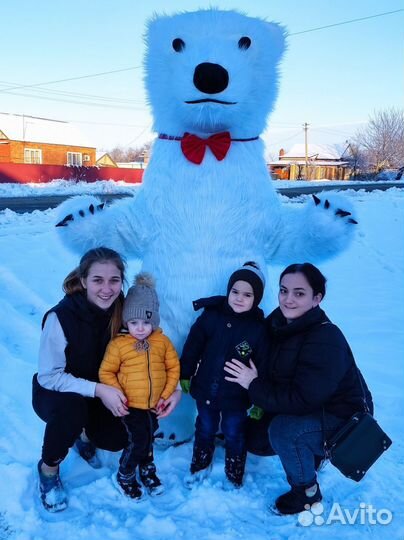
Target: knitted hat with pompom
251, 273
142, 302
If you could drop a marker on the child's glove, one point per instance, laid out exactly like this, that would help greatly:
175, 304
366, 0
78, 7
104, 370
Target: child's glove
256, 413
185, 385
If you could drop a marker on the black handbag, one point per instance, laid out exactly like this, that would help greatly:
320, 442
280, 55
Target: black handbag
357, 444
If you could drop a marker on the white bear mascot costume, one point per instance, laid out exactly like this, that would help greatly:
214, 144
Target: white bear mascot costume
207, 203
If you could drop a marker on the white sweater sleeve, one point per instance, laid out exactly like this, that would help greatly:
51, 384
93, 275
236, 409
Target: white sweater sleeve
52, 362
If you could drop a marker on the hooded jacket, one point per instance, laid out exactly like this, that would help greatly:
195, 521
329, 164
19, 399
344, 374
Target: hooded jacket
310, 367
219, 335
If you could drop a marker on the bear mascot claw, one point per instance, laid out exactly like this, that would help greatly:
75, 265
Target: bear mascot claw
207, 203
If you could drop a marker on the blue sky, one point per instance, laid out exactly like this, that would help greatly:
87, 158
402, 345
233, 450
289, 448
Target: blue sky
332, 78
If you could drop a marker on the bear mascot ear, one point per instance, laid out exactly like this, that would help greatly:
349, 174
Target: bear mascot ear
276, 38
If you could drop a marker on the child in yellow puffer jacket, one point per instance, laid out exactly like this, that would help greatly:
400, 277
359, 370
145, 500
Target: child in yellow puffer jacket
145, 366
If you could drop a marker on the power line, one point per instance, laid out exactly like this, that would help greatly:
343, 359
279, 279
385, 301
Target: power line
333, 132
70, 94
138, 67
106, 124
73, 78
88, 104
346, 22
277, 143
148, 127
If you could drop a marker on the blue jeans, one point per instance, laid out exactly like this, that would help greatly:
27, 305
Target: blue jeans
297, 439
233, 428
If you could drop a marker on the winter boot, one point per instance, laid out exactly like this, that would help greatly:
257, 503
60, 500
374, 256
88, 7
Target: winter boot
150, 480
200, 468
234, 466
128, 485
192, 480
52, 493
295, 500
87, 450
201, 459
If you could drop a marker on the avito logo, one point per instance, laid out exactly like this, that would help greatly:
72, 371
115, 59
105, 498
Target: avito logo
366, 514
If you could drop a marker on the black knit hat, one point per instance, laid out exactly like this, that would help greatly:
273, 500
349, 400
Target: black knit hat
251, 273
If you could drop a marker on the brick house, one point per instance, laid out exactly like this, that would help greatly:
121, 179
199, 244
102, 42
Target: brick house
27, 139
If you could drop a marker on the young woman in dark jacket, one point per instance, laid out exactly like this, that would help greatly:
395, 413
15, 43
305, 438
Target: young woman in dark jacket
310, 384
229, 326
67, 395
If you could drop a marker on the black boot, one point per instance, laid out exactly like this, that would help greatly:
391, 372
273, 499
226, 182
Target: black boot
234, 466
87, 450
201, 459
149, 479
295, 500
128, 485
200, 466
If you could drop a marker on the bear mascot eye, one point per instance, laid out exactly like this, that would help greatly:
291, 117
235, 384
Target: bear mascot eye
244, 43
179, 45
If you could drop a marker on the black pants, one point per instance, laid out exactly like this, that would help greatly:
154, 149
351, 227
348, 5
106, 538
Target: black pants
66, 414
140, 425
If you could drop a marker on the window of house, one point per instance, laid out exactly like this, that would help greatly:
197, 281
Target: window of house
32, 155
74, 159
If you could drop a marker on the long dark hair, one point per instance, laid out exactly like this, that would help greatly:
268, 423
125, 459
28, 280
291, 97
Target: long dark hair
72, 282
314, 277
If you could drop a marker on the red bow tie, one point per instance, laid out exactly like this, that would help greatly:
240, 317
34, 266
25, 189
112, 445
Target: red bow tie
194, 148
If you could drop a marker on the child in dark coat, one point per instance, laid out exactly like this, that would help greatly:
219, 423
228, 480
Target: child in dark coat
230, 326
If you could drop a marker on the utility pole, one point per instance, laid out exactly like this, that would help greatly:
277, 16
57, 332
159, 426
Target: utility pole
306, 150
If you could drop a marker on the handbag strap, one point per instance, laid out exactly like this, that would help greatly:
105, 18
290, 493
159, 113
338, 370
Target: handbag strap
365, 404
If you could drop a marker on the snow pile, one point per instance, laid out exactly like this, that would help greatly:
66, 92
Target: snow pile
365, 298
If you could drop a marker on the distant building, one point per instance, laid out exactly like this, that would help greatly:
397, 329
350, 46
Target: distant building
324, 162
28, 139
103, 159
131, 164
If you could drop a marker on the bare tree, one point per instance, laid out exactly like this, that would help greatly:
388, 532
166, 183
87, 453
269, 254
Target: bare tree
129, 154
117, 153
356, 158
382, 140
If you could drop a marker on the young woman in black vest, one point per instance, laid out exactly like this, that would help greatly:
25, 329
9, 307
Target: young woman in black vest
78, 410
310, 385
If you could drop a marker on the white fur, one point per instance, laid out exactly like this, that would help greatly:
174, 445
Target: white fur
193, 225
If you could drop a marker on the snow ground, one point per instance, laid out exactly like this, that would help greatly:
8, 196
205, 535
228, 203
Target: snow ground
365, 298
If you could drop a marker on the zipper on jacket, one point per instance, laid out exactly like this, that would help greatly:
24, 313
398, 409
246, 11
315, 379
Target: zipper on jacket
150, 379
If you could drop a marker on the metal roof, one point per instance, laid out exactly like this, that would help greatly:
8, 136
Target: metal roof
17, 127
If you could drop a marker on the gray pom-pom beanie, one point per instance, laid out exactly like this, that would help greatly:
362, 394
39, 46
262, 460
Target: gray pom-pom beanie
142, 302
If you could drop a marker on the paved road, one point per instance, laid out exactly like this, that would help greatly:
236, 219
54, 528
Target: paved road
29, 204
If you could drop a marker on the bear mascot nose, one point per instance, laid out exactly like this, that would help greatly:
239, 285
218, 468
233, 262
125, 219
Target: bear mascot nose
210, 78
